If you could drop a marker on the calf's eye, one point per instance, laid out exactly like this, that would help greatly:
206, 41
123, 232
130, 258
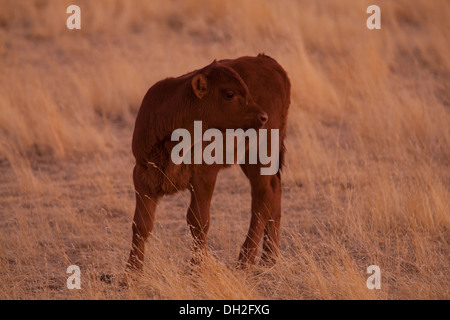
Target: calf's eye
229, 95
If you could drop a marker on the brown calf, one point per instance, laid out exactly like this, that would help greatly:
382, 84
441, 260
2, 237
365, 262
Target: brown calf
248, 92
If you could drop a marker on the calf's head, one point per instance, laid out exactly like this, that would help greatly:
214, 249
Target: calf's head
223, 100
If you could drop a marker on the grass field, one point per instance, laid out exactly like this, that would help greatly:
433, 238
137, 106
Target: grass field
367, 177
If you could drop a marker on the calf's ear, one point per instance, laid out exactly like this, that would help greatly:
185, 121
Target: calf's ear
200, 85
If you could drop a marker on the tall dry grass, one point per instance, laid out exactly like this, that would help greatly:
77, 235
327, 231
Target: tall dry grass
367, 175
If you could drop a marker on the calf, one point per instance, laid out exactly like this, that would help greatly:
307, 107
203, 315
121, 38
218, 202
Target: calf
248, 92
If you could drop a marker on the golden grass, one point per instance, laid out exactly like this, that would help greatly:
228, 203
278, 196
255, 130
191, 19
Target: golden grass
367, 177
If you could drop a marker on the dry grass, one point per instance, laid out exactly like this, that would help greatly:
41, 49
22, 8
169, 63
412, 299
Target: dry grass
367, 178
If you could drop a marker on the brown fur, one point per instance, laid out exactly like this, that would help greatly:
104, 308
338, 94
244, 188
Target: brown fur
261, 88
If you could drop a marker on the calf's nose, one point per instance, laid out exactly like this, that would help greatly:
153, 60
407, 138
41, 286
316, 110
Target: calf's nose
263, 117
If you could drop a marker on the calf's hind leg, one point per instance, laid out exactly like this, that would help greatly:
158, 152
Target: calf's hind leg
144, 218
202, 187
